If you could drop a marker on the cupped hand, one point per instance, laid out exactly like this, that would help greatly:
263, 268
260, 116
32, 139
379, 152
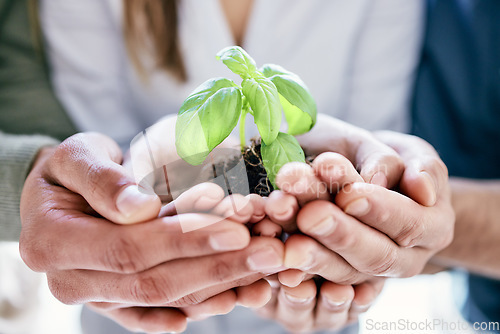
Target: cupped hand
72, 201
368, 230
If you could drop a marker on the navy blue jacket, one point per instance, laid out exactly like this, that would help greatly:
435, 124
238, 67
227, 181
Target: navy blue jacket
457, 107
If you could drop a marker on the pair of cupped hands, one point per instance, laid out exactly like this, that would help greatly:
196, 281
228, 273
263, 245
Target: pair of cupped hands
371, 206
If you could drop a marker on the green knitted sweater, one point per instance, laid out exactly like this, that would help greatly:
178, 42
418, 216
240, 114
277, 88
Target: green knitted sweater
30, 115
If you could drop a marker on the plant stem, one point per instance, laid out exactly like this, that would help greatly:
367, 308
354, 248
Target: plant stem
243, 140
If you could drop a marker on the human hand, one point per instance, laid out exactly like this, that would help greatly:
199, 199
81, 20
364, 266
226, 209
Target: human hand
316, 305
371, 231
351, 251
308, 303
70, 200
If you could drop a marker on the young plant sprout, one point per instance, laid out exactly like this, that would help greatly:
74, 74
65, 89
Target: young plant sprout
213, 110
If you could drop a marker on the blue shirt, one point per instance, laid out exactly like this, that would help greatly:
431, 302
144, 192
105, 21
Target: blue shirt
457, 107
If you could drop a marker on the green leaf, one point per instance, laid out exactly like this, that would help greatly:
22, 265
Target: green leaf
206, 118
283, 150
263, 98
298, 104
238, 61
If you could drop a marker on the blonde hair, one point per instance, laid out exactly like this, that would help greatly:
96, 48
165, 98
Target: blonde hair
152, 25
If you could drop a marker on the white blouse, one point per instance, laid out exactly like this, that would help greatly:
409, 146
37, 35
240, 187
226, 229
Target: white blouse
358, 57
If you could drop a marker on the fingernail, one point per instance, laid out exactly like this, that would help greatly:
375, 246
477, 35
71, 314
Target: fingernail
131, 199
359, 207
285, 215
360, 308
264, 259
297, 300
294, 284
324, 227
379, 179
335, 304
429, 183
226, 241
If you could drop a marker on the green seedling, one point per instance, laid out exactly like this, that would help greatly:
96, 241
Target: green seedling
213, 110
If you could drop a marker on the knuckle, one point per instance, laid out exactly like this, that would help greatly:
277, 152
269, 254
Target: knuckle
151, 290
385, 265
66, 151
436, 166
95, 175
343, 240
410, 234
221, 270
123, 256
34, 254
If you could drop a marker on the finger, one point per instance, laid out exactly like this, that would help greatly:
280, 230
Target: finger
200, 198
365, 295
134, 248
335, 171
148, 319
89, 164
219, 304
307, 255
254, 295
332, 310
293, 277
378, 163
172, 283
282, 209
267, 228
295, 307
222, 303
269, 309
236, 207
259, 205
366, 249
405, 221
425, 174
299, 180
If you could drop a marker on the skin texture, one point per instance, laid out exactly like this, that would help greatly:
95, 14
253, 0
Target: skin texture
360, 236
119, 265
475, 245
399, 234
197, 258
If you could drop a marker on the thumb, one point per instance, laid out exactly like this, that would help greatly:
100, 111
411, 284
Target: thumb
89, 164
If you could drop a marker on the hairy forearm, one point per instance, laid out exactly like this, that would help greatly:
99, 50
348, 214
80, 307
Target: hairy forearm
477, 230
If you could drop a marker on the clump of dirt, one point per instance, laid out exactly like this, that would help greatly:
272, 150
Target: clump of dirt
257, 177
230, 167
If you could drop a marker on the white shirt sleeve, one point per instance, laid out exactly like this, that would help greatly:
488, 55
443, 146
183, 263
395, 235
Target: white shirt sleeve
87, 57
384, 65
